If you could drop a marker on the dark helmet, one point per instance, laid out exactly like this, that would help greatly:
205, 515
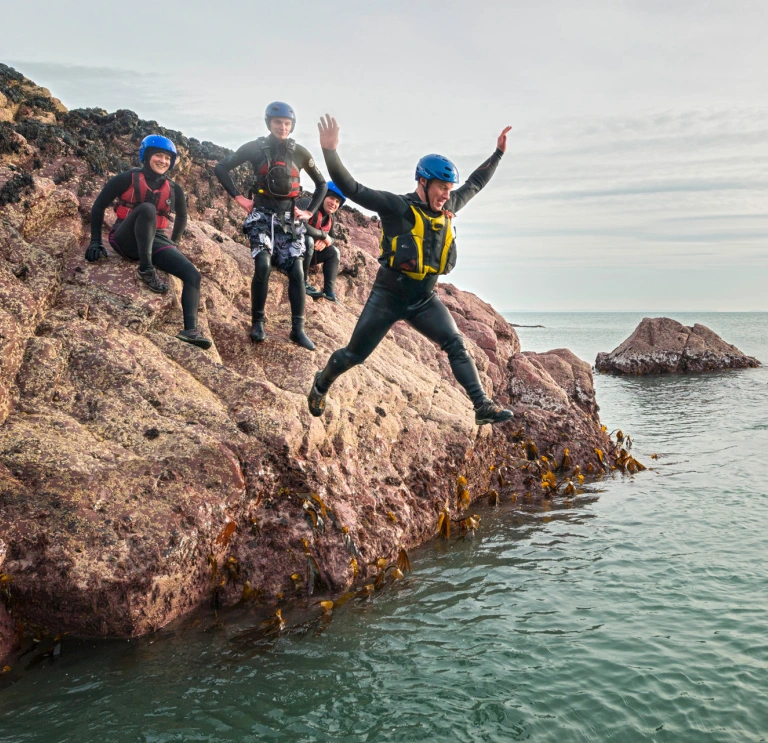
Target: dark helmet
278, 108
437, 167
334, 189
158, 142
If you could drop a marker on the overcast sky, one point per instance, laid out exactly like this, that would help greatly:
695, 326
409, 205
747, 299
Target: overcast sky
637, 172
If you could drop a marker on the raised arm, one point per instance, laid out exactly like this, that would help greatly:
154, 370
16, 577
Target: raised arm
480, 177
385, 203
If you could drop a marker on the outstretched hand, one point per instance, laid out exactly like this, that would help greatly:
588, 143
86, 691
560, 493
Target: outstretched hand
501, 142
329, 132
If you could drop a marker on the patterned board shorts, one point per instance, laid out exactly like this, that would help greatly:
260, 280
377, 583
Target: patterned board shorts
265, 232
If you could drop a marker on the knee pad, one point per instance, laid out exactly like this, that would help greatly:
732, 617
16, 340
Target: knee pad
455, 347
262, 265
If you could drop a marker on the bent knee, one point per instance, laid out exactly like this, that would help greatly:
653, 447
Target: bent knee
455, 347
192, 276
145, 210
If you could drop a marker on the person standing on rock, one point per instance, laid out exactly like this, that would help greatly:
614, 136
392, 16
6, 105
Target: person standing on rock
146, 198
275, 225
417, 246
320, 245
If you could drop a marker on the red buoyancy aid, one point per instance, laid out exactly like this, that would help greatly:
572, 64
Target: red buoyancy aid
321, 221
278, 178
139, 193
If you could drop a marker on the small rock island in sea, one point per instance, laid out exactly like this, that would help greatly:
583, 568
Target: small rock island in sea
664, 346
141, 477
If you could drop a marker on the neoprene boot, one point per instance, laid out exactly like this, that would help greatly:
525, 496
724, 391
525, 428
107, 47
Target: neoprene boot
195, 337
298, 336
257, 331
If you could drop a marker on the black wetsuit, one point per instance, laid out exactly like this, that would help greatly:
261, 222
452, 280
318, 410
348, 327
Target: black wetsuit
252, 152
394, 295
329, 257
137, 238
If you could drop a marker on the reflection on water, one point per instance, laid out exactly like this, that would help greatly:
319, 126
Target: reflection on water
637, 613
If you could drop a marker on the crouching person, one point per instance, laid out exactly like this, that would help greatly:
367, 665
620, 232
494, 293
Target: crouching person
321, 248
145, 200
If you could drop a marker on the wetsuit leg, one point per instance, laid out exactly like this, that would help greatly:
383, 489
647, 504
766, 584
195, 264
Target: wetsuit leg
297, 293
432, 319
177, 264
381, 312
330, 259
260, 285
309, 251
137, 233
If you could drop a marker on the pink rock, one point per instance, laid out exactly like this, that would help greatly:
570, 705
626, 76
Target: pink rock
132, 463
663, 346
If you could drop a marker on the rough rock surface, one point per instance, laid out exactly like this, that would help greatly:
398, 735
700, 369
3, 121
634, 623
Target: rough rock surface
140, 475
664, 346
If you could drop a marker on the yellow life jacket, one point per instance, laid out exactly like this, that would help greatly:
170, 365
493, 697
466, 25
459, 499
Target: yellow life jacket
430, 247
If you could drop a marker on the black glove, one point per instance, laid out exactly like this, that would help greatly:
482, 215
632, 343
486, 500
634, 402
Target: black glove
95, 251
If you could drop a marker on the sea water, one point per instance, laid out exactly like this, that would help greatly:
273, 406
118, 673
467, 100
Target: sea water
637, 613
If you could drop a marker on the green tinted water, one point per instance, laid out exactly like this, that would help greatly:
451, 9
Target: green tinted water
640, 613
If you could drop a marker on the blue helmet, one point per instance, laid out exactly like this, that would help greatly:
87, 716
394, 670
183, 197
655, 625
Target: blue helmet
278, 108
336, 191
437, 166
158, 142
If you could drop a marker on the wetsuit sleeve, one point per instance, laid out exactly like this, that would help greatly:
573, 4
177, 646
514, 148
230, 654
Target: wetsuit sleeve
310, 166
114, 188
386, 204
180, 218
248, 152
472, 186
314, 233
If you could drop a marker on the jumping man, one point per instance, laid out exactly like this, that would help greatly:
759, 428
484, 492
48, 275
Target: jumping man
417, 246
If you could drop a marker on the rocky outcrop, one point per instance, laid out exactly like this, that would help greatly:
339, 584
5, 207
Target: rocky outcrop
664, 346
141, 476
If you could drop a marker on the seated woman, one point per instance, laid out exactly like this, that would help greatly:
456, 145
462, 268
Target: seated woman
146, 198
320, 244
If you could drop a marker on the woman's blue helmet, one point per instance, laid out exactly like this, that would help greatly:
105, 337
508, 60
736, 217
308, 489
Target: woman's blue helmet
278, 108
437, 166
336, 191
158, 142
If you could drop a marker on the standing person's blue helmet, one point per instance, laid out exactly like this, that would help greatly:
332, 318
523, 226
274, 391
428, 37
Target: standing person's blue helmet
336, 191
437, 167
158, 142
278, 108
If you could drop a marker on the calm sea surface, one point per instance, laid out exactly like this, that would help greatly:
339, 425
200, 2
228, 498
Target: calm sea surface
640, 613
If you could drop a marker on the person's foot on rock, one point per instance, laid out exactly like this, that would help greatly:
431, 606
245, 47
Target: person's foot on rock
195, 337
330, 296
312, 291
490, 412
316, 399
152, 280
257, 331
298, 336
